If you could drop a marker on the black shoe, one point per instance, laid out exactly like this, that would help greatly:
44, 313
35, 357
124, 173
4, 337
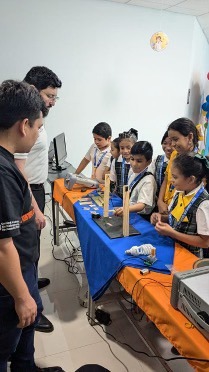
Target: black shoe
44, 325
43, 282
50, 369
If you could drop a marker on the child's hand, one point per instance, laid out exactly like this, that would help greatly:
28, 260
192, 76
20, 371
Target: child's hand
163, 228
155, 217
119, 211
163, 207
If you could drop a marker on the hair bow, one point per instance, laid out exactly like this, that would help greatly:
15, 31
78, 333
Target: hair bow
132, 133
203, 159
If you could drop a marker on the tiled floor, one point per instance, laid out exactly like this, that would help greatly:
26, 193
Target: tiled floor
74, 342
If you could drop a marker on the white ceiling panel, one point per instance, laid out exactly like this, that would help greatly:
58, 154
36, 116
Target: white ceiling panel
146, 4
197, 8
118, 1
204, 20
198, 5
164, 3
189, 11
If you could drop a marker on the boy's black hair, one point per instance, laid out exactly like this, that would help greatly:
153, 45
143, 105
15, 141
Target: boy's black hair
132, 134
164, 137
185, 127
116, 143
142, 148
42, 77
192, 164
18, 101
102, 129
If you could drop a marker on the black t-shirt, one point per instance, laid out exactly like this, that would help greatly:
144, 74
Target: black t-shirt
15, 201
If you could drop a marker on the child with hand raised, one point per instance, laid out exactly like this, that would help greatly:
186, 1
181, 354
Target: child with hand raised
99, 152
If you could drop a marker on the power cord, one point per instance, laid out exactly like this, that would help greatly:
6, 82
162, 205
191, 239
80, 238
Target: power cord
143, 352
70, 260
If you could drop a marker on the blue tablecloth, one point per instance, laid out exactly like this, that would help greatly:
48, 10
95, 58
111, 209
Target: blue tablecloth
105, 257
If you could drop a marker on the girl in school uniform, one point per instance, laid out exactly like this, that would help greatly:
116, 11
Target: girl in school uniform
120, 167
115, 153
159, 165
141, 182
188, 218
184, 138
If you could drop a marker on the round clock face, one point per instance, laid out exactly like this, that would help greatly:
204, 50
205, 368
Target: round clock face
159, 41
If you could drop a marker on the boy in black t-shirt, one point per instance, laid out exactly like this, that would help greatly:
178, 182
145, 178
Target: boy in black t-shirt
20, 304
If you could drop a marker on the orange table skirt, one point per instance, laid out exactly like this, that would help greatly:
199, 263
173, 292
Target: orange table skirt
67, 198
152, 292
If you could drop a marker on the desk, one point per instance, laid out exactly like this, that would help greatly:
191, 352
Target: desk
153, 298
67, 198
52, 176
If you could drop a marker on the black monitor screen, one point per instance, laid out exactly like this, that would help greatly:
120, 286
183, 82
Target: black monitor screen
51, 152
60, 151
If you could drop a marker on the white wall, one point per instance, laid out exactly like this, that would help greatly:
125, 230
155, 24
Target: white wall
101, 52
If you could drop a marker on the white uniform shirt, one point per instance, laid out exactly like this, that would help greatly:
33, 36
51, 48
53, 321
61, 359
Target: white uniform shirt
144, 192
36, 168
109, 162
95, 152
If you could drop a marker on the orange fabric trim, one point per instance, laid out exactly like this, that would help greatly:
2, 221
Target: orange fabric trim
152, 297
27, 216
67, 198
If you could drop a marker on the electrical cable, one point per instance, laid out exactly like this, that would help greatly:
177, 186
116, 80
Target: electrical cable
151, 281
70, 260
133, 305
143, 352
110, 347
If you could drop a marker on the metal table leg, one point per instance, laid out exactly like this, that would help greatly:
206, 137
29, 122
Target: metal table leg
53, 214
57, 222
91, 309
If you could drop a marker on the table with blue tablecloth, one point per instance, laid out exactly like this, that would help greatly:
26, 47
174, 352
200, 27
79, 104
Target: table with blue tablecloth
105, 259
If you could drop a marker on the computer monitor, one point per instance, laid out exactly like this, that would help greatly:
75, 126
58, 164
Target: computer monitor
51, 152
60, 152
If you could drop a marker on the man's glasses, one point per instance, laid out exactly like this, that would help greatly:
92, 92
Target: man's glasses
52, 97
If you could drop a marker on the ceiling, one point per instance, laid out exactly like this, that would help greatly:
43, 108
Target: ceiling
198, 8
